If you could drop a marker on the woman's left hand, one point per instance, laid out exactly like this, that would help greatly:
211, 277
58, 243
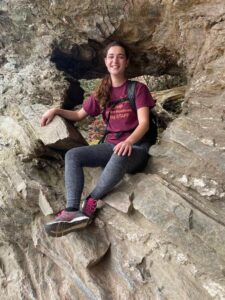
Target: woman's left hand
123, 148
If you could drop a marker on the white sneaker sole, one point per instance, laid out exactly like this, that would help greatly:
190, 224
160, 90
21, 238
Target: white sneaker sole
58, 229
77, 219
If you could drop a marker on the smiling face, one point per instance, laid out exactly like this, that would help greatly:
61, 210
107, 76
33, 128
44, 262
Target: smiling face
116, 61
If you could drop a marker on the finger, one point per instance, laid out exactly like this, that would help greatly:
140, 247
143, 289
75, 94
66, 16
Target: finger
120, 151
115, 149
42, 122
126, 151
129, 151
123, 151
48, 120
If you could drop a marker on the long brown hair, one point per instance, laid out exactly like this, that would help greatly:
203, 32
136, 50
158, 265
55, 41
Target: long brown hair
103, 90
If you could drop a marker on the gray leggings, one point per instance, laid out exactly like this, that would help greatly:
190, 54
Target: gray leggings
100, 155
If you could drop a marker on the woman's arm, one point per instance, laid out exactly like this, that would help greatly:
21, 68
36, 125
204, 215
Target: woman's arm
71, 115
125, 147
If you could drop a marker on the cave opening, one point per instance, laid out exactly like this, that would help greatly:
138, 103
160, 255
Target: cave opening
83, 67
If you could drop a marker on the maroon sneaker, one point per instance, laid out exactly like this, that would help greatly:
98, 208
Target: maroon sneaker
89, 207
66, 222
67, 216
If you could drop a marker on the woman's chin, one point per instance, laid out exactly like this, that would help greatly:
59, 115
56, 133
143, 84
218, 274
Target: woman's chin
116, 72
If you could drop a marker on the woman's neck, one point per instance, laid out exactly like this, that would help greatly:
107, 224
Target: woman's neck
118, 81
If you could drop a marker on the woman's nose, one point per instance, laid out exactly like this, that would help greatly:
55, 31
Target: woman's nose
115, 59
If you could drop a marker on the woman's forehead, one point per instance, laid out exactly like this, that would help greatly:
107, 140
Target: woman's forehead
116, 50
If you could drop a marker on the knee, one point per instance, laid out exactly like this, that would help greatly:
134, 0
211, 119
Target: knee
120, 159
71, 154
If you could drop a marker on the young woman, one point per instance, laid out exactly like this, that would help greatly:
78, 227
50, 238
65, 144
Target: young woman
118, 154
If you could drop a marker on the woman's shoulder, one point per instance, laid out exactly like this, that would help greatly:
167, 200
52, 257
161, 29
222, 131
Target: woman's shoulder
139, 84
140, 87
142, 95
91, 105
91, 98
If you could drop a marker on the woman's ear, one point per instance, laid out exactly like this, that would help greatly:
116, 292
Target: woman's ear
127, 63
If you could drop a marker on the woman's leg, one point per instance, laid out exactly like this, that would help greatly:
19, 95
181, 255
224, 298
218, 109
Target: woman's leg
116, 168
75, 160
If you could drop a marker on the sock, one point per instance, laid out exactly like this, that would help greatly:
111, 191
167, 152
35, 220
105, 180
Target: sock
71, 209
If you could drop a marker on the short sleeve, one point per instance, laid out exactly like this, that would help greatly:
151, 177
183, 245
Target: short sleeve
143, 96
91, 106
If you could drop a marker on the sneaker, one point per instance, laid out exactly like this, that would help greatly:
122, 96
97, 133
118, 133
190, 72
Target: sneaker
66, 216
66, 222
89, 207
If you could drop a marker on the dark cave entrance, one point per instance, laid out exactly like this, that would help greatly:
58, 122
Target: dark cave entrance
85, 61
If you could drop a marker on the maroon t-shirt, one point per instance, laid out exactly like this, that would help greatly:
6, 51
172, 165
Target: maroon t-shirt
122, 116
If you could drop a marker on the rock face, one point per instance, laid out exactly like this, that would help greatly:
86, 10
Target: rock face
167, 239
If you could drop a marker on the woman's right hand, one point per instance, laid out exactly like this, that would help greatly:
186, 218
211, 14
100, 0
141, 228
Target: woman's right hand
48, 116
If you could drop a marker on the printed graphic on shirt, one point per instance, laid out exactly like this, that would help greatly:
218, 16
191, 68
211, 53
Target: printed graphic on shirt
120, 112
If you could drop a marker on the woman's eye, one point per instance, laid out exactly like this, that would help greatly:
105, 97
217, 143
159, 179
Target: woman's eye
119, 57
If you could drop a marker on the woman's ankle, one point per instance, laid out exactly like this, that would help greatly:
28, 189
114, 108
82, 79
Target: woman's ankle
71, 208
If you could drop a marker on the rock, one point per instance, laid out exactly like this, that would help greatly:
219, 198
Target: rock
44, 204
90, 244
168, 105
78, 252
120, 201
59, 134
12, 132
159, 204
